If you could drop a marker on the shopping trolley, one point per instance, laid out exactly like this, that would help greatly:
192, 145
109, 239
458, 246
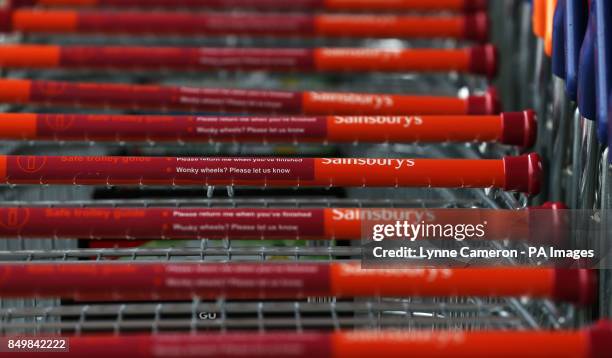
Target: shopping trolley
309, 314
125, 166
575, 36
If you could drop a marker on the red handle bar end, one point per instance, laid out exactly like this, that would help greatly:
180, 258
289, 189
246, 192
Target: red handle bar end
576, 285
484, 60
523, 173
477, 27
600, 337
486, 104
476, 5
519, 128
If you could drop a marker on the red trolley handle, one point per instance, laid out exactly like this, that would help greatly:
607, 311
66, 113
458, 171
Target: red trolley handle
135, 281
591, 342
512, 128
510, 173
312, 5
480, 60
462, 27
163, 98
254, 223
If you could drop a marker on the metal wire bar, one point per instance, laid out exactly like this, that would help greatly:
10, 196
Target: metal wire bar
309, 314
467, 201
237, 252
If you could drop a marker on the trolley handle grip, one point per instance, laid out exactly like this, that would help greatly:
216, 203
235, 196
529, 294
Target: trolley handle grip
480, 60
363, 5
164, 98
125, 224
522, 173
146, 280
590, 342
466, 27
510, 128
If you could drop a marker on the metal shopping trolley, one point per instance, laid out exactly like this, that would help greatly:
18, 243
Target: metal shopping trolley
575, 103
93, 143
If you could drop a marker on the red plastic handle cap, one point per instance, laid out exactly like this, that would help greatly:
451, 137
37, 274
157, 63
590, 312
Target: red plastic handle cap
575, 285
484, 60
477, 27
552, 223
486, 104
600, 338
519, 128
476, 5
523, 173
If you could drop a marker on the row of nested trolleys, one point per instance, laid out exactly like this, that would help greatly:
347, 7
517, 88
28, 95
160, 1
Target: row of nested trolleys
84, 84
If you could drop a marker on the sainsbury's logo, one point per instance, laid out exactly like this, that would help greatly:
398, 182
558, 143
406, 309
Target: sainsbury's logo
361, 53
370, 100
